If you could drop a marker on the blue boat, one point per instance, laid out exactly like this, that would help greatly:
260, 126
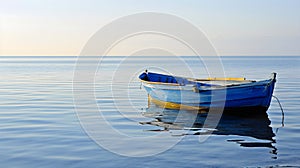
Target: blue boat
230, 94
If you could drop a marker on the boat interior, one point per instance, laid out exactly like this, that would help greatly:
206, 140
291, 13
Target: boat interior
155, 78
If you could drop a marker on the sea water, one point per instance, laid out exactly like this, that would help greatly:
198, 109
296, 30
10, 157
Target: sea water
40, 126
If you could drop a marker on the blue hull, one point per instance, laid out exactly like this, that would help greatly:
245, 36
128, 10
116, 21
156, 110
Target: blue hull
208, 94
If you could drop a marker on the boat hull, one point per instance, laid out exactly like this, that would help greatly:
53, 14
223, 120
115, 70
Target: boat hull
191, 96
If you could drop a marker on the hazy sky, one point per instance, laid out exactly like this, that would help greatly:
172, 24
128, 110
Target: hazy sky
235, 27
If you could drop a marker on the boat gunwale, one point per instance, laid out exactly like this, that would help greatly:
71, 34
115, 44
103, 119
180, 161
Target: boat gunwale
160, 83
196, 81
213, 87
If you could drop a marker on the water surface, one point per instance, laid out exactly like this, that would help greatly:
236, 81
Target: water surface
39, 125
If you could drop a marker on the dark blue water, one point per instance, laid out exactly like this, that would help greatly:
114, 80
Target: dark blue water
39, 125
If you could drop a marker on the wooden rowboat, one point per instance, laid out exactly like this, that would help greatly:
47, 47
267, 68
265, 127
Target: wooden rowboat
202, 94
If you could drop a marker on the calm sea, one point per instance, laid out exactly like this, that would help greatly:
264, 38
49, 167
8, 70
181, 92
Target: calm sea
40, 127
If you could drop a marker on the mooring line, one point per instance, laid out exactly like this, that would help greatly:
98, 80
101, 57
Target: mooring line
282, 112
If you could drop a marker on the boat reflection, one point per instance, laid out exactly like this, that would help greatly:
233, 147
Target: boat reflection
252, 130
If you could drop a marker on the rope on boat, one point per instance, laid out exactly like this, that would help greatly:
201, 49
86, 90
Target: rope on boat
282, 113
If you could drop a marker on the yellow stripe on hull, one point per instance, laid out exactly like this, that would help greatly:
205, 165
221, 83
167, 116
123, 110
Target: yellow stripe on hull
176, 106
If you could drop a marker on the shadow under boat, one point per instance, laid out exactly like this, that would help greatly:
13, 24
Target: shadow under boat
256, 125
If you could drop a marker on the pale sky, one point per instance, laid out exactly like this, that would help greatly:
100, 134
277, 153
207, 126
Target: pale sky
235, 27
